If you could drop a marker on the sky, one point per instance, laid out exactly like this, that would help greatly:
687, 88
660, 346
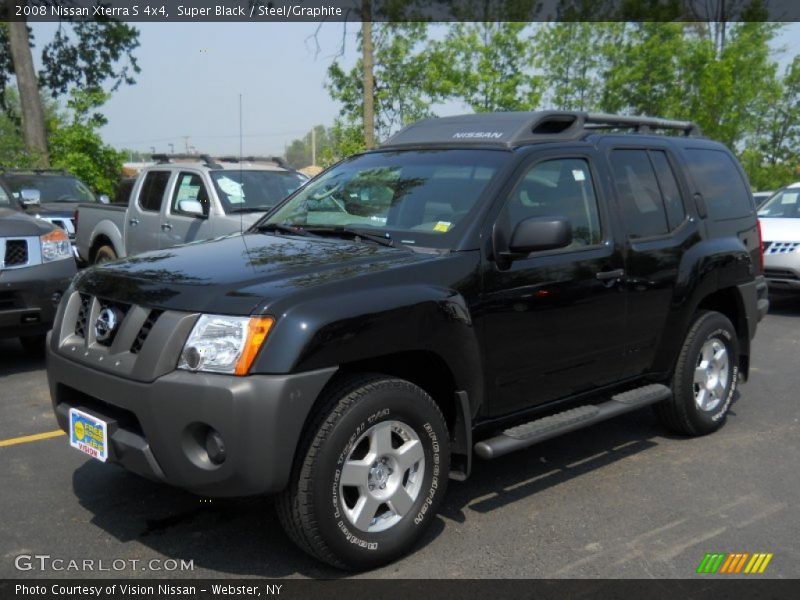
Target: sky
192, 75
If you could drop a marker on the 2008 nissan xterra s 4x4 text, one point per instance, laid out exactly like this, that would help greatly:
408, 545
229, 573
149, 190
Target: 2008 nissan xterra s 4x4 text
476, 285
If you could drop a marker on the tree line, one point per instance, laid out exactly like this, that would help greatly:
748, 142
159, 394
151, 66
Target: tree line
723, 75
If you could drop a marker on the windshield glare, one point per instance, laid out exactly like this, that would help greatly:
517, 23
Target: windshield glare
415, 197
52, 188
255, 189
783, 204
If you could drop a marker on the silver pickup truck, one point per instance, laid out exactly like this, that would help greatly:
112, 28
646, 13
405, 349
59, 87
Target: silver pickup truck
182, 199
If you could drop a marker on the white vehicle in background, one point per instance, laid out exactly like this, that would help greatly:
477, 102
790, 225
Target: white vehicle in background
181, 199
780, 229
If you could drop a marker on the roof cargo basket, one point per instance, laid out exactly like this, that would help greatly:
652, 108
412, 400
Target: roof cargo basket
511, 129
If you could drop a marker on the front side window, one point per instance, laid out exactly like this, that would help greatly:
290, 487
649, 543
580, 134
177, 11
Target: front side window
415, 197
558, 188
189, 187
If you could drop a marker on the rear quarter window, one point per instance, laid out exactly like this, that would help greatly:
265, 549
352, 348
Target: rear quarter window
152, 192
718, 179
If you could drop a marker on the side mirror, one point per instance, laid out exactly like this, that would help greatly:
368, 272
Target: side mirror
535, 234
104, 199
191, 207
30, 197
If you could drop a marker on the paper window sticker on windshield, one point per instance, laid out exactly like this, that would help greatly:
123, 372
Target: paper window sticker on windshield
578, 175
232, 189
442, 226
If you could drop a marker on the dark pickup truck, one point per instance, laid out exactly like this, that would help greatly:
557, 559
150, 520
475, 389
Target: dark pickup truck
476, 285
36, 266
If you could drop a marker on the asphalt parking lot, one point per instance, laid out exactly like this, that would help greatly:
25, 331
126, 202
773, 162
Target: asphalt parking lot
621, 499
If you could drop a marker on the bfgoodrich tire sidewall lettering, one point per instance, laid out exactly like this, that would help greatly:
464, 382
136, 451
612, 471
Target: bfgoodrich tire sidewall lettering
343, 536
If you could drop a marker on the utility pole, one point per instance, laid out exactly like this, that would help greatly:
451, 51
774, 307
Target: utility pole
313, 145
30, 101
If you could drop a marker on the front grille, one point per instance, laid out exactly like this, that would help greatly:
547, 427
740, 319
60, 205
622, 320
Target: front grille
16, 253
147, 326
780, 274
781, 247
83, 315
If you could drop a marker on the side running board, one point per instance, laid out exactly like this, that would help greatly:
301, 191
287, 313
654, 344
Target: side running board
528, 434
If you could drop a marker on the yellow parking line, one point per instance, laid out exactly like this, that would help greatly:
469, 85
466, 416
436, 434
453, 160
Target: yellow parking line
31, 438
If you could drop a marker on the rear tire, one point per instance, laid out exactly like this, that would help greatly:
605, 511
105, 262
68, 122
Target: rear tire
34, 344
370, 473
104, 254
705, 378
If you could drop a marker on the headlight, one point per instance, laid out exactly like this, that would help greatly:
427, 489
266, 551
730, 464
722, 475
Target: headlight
221, 344
55, 246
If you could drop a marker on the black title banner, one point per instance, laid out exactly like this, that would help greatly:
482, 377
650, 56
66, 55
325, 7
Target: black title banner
400, 589
277, 11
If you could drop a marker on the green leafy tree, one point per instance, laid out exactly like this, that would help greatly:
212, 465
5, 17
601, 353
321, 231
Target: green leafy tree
300, 152
571, 59
487, 65
76, 145
81, 55
402, 89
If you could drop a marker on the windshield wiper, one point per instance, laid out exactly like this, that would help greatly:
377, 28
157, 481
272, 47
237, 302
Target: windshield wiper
378, 239
287, 229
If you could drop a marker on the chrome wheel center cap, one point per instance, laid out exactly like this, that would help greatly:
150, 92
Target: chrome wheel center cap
379, 474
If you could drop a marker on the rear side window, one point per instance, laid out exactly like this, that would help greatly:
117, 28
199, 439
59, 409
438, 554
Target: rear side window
670, 192
152, 192
639, 196
724, 190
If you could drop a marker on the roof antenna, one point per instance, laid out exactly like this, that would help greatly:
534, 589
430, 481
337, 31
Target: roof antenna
241, 173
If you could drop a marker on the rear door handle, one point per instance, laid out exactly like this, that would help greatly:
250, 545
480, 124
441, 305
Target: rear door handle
133, 222
166, 226
610, 275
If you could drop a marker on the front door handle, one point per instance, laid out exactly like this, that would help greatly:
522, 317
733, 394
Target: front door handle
610, 275
166, 227
133, 222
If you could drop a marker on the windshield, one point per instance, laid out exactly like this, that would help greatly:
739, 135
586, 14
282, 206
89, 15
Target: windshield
254, 190
52, 188
783, 204
413, 197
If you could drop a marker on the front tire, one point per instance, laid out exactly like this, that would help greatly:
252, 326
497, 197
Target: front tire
370, 473
705, 378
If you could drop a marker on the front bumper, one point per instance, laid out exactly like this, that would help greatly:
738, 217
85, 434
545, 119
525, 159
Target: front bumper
158, 429
783, 272
29, 297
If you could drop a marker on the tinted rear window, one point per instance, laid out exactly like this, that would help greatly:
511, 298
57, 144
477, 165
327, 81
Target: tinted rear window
152, 193
724, 190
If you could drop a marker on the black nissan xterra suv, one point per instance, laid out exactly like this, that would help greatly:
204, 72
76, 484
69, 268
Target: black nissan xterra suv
476, 285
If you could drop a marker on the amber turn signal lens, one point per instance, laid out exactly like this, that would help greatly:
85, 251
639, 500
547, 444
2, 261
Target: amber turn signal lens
257, 330
57, 235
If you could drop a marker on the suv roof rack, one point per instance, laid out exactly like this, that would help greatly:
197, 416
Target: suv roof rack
38, 171
162, 158
512, 129
271, 159
214, 162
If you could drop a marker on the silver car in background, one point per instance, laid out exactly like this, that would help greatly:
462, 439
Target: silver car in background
780, 231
